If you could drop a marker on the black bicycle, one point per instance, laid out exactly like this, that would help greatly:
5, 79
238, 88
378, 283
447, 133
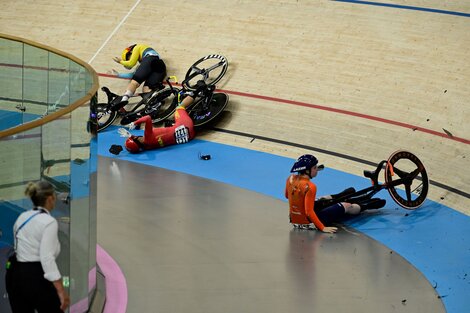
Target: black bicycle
158, 104
405, 178
208, 106
161, 104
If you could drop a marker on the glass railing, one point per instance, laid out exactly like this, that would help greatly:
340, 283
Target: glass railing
46, 134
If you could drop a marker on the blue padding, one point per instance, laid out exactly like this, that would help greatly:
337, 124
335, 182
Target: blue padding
434, 238
9, 119
9, 212
81, 179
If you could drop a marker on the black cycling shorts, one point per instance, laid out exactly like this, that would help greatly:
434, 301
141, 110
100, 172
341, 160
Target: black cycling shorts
152, 71
332, 214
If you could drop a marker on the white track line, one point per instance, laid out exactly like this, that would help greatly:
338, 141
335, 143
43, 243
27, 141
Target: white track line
114, 31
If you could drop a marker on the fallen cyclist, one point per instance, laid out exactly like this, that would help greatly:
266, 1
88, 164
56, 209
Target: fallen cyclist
182, 131
305, 209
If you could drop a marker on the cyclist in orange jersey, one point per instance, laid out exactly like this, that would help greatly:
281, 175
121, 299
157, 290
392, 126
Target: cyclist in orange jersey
301, 193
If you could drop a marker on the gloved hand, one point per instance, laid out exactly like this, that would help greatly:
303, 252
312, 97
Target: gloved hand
124, 133
131, 126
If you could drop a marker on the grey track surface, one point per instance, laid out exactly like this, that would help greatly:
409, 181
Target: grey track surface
188, 244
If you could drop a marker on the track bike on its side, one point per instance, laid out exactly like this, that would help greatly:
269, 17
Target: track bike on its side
156, 103
161, 104
207, 107
406, 181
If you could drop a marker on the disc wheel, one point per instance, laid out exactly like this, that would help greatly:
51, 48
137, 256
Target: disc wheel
405, 170
203, 117
210, 68
163, 105
104, 117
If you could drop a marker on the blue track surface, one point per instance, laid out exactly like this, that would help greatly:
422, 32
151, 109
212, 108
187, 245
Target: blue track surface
406, 7
434, 238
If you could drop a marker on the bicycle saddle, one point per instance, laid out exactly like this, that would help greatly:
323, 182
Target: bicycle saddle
111, 95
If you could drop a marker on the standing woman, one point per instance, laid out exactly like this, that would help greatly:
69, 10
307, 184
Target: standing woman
33, 281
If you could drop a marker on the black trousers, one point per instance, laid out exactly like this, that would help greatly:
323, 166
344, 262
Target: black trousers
28, 290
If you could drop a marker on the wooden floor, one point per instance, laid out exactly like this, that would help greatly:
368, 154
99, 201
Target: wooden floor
383, 78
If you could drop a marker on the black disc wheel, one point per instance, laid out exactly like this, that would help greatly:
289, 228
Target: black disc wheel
202, 115
163, 104
406, 179
210, 69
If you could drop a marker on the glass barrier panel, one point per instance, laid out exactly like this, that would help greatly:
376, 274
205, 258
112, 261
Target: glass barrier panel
11, 83
35, 82
77, 81
58, 84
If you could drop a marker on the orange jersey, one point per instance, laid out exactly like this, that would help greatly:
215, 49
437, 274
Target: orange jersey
301, 193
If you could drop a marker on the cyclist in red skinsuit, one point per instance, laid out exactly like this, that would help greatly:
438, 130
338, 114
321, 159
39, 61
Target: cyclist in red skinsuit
181, 132
157, 137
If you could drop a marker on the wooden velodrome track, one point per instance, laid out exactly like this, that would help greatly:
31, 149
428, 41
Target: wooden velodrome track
355, 80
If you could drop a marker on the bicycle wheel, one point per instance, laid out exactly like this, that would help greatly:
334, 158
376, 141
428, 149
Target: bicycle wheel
202, 117
163, 104
135, 113
104, 117
411, 175
210, 68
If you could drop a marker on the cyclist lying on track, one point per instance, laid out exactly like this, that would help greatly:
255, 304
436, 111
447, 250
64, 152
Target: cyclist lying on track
304, 209
157, 137
152, 71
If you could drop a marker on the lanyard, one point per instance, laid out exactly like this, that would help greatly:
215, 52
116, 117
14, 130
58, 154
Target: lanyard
24, 223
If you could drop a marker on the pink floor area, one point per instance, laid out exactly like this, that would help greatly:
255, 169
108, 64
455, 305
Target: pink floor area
116, 286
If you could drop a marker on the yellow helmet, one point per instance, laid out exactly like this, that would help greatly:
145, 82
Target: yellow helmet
126, 53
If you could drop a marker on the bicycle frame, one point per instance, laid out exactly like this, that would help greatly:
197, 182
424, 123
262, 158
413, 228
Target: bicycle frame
153, 101
405, 179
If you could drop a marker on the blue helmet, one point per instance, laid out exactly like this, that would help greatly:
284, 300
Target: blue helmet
304, 162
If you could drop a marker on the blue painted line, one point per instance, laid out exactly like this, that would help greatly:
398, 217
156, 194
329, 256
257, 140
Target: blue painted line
434, 238
406, 7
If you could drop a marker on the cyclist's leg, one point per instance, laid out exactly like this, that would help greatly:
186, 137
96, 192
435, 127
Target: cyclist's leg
328, 200
344, 193
155, 78
140, 75
351, 208
358, 207
182, 118
372, 204
121, 101
332, 214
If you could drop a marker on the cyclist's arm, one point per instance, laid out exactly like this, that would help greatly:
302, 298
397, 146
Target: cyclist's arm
148, 132
125, 75
133, 59
309, 203
286, 191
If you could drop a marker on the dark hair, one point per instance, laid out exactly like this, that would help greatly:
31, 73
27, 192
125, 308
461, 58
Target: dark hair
39, 191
